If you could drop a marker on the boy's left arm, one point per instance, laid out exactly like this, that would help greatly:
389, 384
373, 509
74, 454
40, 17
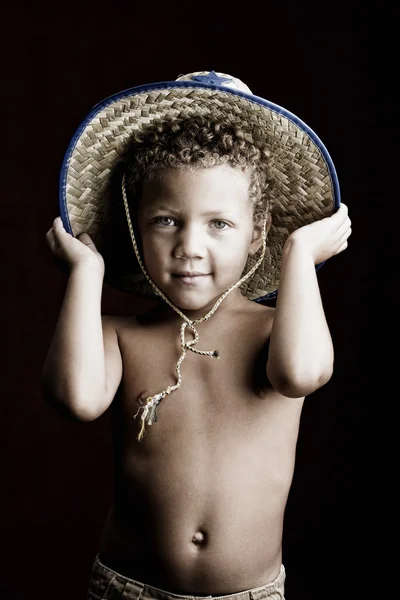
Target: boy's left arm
301, 353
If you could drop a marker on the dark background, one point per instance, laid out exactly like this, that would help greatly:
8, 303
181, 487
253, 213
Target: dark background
58, 60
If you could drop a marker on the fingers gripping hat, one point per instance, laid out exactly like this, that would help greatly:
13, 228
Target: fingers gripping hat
305, 179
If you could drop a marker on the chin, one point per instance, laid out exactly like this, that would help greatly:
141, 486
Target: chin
187, 304
193, 298
193, 301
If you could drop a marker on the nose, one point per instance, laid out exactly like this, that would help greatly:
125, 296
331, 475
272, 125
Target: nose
190, 243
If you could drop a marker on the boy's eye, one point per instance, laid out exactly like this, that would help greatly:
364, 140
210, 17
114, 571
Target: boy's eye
220, 224
163, 221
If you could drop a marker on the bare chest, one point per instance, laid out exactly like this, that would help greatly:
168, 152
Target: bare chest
220, 402
210, 388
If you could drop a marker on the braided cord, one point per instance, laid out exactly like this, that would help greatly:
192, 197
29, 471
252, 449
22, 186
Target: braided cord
149, 409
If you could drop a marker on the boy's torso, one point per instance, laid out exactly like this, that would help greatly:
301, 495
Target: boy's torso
199, 502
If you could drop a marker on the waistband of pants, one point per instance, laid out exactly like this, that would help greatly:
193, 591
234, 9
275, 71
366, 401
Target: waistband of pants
136, 590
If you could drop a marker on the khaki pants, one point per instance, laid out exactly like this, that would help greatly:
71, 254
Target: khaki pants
106, 584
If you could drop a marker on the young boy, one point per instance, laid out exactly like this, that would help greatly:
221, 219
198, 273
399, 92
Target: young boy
226, 196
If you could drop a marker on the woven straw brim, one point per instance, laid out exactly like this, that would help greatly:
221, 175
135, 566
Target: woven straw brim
306, 183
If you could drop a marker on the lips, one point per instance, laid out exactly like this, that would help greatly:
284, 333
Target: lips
189, 274
190, 277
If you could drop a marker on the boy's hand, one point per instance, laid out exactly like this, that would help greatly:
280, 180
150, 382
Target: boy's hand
73, 252
326, 237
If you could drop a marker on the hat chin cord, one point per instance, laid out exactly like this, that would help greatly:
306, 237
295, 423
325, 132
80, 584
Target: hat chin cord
149, 407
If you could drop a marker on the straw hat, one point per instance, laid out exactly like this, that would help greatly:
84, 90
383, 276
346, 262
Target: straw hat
307, 185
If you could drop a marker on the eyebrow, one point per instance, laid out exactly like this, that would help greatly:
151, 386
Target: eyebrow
210, 213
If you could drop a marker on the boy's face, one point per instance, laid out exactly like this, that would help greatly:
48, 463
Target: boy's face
197, 231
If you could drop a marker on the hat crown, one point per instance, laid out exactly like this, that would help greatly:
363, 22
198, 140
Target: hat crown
216, 78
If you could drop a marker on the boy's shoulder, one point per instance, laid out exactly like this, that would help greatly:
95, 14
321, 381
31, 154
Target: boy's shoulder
116, 322
257, 310
130, 322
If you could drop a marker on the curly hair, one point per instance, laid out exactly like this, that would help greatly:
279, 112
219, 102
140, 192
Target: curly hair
200, 142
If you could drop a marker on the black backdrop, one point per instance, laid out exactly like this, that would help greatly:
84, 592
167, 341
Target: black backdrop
58, 60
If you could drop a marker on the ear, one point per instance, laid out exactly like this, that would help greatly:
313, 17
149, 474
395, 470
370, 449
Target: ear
256, 238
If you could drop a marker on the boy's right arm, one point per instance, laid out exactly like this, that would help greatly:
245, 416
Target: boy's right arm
83, 366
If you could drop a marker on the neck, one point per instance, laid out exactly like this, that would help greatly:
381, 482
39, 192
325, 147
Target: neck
233, 301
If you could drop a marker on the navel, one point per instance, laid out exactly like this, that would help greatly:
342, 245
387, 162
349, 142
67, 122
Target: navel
199, 538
